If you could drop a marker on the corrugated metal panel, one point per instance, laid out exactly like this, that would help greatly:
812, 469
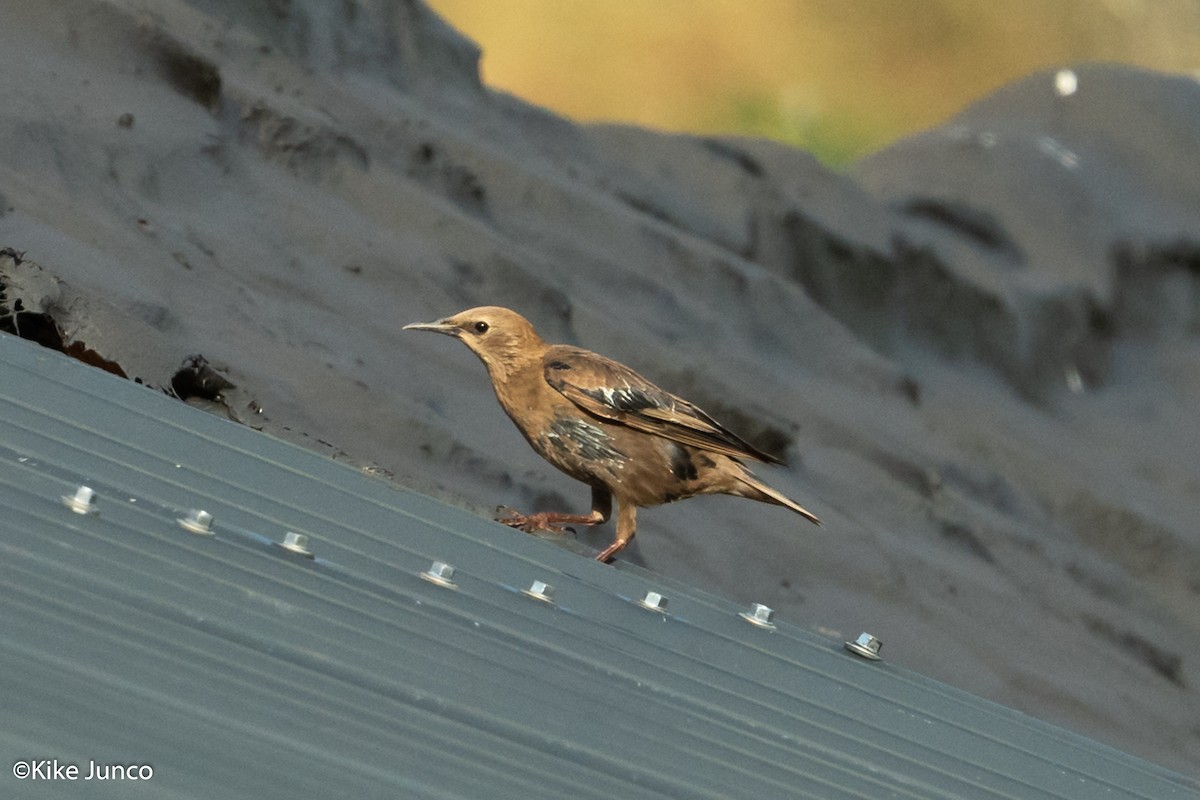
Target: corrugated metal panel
235, 668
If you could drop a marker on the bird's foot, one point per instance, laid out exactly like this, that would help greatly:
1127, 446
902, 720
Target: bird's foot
606, 555
540, 522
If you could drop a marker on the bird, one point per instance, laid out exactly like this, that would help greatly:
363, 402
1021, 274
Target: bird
605, 425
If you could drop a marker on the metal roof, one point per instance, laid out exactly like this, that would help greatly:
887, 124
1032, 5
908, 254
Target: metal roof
231, 666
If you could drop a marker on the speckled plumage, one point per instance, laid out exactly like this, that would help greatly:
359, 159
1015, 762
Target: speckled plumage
605, 425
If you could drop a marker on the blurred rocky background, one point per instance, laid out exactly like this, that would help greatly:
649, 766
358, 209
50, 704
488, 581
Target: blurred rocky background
838, 78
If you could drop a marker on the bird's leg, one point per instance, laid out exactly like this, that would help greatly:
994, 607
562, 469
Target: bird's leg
626, 529
555, 521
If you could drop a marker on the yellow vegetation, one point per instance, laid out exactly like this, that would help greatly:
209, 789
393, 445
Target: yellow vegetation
838, 77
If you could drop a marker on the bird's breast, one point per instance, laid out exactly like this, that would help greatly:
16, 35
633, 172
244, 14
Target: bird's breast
582, 449
584, 439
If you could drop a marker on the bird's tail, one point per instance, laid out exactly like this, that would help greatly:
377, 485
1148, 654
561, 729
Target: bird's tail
763, 493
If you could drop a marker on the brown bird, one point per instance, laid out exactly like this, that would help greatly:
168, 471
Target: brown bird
602, 423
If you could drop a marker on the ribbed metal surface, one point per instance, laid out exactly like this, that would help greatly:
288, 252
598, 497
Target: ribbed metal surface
237, 668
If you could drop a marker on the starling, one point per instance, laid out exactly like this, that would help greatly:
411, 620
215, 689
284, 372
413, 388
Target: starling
602, 423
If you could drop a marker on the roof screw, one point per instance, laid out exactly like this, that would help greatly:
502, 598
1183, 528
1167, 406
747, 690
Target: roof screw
760, 615
540, 590
866, 646
197, 521
296, 543
83, 501
654, 601
440, 573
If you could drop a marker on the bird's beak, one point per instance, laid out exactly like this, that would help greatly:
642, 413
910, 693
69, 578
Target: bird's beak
441, 326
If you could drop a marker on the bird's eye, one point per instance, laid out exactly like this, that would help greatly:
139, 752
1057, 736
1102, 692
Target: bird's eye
480, 327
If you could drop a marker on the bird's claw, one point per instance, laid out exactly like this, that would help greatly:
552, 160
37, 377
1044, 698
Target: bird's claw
540, 522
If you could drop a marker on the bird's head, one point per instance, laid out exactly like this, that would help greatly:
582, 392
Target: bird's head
501, 338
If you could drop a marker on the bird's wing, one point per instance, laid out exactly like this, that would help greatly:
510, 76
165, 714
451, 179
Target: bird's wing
612, 391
